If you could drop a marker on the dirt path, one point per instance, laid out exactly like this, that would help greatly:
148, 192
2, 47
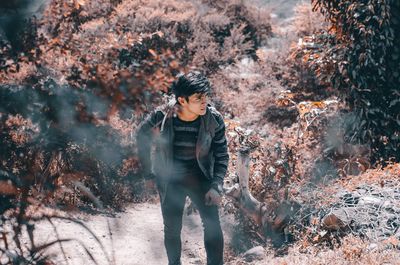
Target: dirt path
136, 237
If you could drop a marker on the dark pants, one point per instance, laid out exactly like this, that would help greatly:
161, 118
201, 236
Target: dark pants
172, 210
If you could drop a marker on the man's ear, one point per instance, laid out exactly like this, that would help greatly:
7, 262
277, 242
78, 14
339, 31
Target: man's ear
182, 100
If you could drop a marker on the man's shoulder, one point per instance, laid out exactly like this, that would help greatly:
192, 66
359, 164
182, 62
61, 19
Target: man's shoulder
216, 114
166, 107
153, 117
162, 110
214, 111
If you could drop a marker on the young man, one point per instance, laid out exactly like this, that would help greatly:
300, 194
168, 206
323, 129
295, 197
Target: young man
190, 159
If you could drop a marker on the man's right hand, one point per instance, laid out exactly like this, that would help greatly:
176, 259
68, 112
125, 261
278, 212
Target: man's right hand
150, 185
213, 197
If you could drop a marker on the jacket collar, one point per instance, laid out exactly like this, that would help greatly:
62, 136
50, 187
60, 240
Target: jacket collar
208, 119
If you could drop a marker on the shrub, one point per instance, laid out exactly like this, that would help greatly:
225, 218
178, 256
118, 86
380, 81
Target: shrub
358, 58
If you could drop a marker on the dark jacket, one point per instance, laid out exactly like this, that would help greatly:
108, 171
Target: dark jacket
211, 147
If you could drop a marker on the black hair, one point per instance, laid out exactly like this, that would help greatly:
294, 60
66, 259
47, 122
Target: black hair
188, 84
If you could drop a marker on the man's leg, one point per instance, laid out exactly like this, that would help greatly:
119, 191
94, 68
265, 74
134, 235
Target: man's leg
172, 211
213, 237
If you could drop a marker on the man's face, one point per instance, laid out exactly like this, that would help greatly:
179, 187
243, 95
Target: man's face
197, 103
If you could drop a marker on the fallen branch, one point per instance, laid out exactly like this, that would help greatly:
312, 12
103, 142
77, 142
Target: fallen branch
249, 205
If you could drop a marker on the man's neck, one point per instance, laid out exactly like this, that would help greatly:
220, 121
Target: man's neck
186, 115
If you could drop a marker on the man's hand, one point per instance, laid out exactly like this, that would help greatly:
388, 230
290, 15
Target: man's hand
150, 184
213, 197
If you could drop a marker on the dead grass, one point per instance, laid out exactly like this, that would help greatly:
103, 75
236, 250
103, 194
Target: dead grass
352, 251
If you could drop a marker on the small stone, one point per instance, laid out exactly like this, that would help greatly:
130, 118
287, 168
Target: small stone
196, 261
332, 222
369, 200
388, 204
254, 253
372, 246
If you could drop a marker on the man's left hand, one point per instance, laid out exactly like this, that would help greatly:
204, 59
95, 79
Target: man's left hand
213, 197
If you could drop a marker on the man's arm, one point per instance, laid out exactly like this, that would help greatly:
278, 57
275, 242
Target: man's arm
220, 147
144, 140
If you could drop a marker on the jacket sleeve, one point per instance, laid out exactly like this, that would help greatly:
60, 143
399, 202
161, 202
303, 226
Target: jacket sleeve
219, 146
144, 141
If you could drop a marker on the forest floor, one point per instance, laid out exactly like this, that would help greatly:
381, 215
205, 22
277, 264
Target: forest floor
130, 237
